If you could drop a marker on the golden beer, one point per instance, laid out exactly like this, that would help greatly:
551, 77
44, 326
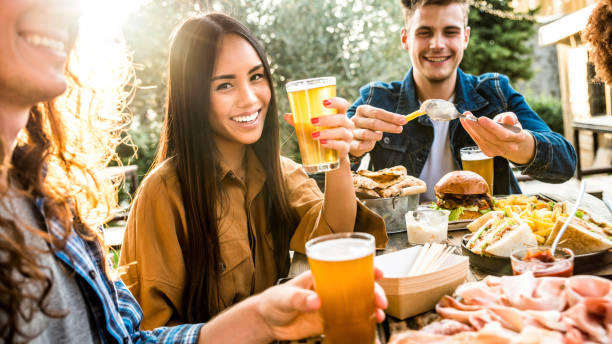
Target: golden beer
473, 159
306, 100
343, 269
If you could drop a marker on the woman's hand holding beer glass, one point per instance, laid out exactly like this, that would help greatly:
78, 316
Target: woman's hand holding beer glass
495, 140
331, 131
291, 311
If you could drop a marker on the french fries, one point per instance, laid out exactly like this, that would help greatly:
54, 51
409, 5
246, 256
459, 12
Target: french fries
539, 215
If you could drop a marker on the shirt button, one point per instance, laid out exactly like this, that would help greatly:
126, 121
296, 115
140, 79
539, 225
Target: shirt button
222, 267
92, 274
386, 140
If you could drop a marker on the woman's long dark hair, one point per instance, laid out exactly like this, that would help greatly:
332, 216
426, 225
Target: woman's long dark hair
187, 138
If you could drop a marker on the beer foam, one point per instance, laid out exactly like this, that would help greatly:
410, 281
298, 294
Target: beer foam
475, 156
307, 84
340, 249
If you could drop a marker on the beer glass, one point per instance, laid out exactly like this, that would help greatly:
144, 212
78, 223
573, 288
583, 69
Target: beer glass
473, 159
342, 266
306, 100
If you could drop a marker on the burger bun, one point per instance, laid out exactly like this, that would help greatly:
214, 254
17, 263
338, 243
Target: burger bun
461, 183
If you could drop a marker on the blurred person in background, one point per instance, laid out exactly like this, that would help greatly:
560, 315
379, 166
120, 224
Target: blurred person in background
214, 220
435, 35
55, 283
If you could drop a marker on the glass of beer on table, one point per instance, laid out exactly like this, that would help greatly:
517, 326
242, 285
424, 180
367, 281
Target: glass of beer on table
306, 100
342, 266
473, 159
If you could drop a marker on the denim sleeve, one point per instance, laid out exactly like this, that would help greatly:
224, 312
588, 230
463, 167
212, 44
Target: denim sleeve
363, 96
555, 157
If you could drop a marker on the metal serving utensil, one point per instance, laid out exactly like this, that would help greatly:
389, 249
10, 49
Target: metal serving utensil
569, 218
443, 110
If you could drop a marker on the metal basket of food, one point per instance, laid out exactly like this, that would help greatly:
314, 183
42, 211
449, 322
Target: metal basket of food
390, 193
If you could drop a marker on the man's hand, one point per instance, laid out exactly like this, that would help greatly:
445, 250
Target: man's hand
495, 140
370, 122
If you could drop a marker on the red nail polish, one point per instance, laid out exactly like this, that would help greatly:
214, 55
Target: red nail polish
314, 120
323, 141
315, 134
326, 102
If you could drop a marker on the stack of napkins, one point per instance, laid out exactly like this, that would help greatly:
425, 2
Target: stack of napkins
411, 295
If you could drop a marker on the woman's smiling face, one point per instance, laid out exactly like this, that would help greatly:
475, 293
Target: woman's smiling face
34, 45
240, 92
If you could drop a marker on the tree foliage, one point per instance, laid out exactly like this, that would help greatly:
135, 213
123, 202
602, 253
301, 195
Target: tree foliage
499, 44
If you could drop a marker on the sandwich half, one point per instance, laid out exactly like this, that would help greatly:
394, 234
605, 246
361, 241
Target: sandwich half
583, 236
499, 235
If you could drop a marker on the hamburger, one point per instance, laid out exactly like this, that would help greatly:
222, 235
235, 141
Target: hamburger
464, 193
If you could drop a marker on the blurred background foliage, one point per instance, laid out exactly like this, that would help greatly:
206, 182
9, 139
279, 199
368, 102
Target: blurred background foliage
356, 41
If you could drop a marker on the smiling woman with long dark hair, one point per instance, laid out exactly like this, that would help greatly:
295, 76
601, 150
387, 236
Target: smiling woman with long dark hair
215, 219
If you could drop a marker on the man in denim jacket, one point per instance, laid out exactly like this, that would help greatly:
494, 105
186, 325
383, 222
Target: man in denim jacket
435, 35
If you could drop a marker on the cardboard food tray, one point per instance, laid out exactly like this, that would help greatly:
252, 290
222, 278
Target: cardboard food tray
413, 295
462, 224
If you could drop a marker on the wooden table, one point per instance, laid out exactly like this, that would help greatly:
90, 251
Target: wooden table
398, 241
598, 124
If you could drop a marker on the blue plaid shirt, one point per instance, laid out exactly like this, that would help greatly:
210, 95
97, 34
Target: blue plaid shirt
114, 310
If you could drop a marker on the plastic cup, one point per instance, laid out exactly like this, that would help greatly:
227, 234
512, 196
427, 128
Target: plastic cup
427, 225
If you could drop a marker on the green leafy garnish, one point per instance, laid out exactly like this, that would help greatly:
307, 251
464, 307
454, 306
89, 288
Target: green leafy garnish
579, 214
455, 213
484, 211
551, 205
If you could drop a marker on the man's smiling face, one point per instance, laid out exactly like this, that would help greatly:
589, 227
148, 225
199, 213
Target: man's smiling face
436, 39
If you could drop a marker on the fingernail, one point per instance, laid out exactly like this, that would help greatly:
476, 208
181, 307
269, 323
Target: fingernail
326, 102
323, 141
315, 134
314, 120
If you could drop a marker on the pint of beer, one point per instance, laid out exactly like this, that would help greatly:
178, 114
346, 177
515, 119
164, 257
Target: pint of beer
343, 269
473, 159
306, 100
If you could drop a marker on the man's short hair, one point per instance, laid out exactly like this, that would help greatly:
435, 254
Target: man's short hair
410, 6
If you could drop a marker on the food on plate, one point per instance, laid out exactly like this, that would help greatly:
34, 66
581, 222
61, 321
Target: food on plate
388, 182
583, 236
496, 234
541, 262
464, 193
539, 215
522, 309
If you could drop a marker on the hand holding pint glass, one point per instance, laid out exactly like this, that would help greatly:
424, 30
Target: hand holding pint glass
306, 100
342, 265
473, 159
